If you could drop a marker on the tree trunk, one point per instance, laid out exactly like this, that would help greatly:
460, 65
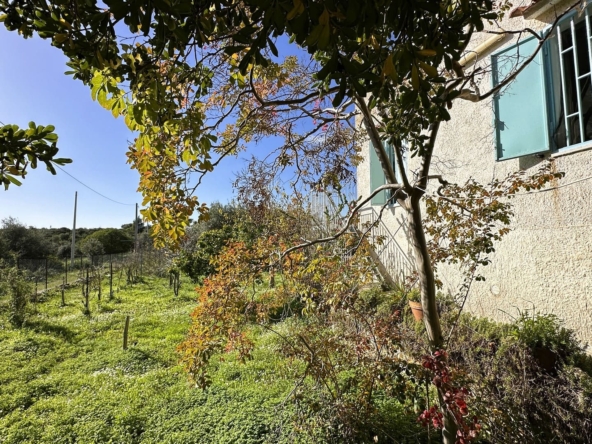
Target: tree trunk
425, 273
427, 285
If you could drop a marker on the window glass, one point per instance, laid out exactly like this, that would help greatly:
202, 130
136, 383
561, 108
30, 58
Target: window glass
570, 74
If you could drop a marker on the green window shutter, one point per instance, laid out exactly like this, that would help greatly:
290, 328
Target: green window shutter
520, 110
377, 177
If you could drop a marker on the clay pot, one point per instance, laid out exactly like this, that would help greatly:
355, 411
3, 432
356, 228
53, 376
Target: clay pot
416, 310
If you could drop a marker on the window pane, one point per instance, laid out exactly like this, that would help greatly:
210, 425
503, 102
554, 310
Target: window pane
586, 106
569, 73
582, 48
565, 81
566, 38
574, 130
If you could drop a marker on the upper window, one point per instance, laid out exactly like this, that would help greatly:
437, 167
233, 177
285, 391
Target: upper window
549, 104
377, 177
570, 53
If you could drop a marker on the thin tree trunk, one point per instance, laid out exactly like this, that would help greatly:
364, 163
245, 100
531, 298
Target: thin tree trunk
425, 274
427, 286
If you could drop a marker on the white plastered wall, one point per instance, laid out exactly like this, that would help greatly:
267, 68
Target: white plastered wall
545, 262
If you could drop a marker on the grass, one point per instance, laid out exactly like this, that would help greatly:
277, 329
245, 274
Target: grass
64, 377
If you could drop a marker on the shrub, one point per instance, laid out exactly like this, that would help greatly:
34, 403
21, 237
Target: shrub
91, 247
113, 240
545, 332
517, 395
14, 285
205, 241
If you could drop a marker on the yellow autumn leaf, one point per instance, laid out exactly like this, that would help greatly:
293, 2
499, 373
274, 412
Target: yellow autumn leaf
415, 78
59, 38
389, 70
428, 69
427, 52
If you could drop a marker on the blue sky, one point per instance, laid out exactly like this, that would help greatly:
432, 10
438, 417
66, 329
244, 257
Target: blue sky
34, 87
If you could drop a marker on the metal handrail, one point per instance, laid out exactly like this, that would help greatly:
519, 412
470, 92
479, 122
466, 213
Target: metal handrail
392, 256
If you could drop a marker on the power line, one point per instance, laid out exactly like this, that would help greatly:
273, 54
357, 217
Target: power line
93, 190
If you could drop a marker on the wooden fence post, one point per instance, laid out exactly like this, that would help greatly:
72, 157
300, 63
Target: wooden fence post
110, 276
125, 332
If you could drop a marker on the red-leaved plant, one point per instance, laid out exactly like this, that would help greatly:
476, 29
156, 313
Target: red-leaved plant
453, 400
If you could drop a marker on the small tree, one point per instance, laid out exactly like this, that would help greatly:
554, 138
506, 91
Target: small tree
92, 247
113, 240
14, 285
206, 81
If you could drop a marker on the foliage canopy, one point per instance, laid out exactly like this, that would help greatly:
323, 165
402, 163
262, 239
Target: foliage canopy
158, 65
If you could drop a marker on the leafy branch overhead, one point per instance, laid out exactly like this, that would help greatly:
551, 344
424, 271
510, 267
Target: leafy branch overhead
21, 148
160, 66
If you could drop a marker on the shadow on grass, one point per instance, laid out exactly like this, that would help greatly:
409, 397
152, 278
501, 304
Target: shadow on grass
41, 326
138, 361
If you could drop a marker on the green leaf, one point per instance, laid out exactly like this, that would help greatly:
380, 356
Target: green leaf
62, 161
13, 179
272, 47
340, 94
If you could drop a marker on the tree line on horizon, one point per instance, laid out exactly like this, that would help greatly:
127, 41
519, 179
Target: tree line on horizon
28, 242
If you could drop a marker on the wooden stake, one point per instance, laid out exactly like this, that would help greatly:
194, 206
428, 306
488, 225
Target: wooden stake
125, 332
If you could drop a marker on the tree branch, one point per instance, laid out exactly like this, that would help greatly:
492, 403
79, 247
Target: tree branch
372, 131
478, 97
427, 158
354, 211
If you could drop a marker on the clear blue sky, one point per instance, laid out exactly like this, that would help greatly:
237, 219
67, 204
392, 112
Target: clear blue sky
33, 87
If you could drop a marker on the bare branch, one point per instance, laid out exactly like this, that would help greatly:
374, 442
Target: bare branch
478, 97
342, 231
389, 173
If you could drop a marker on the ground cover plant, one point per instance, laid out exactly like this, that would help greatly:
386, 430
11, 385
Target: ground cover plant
65, 378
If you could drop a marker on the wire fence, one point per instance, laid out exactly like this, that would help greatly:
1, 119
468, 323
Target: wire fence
51, 272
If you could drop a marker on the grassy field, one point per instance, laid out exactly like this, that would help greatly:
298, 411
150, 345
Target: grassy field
64, 377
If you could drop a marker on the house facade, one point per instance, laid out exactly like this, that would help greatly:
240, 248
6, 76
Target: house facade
545, 263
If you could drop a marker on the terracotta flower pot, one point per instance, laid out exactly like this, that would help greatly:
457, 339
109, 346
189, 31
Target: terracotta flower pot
416, 310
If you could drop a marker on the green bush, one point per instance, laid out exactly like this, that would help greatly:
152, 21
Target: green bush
545, 331
520, 393
114, 241
14, 286
205, 240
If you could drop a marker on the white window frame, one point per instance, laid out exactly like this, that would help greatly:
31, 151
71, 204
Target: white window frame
568, 22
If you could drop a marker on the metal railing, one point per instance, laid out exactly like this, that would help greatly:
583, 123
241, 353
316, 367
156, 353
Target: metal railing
383, 241
329, 216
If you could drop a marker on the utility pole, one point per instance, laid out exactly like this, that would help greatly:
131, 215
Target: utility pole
136, 231
72, 249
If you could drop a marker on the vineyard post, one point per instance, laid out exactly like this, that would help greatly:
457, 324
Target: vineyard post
45, 274
125, 332
110, 276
